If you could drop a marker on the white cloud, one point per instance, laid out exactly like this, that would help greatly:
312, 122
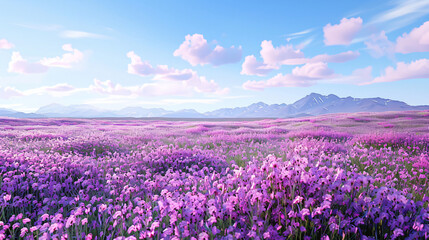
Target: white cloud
304, 76
274, 57
311, 74
9, 92
300, 33
251, 66
138, 67
4, 44
170, 80
379, 45
80, 34
415, 41
403, 13
58, 90
196, 50
107, 87
342, 33
403, 71
313, 70
20, 65
66, 60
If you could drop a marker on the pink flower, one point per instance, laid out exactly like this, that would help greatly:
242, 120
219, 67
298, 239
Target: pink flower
326, 237
252, 234
84, 221
297, 199
102, 207
70, 221
304, 212
215, 231
53, 228
131, 229
397, 232
117, 214
23, 231
88, 237
212, 220
45, 216
418, 226
203, 236
7, 197
267, 235
154, 225
15, 225
26, 220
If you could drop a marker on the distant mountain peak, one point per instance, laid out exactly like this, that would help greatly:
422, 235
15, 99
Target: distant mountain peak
311, 105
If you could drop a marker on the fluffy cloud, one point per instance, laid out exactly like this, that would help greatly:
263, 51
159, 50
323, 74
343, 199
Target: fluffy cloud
107, 87
313, 70
169, 80
8, 92
278, 55
304, 76
342, 33
66, 60
138, 67
196, 50
311, 74
274, 57
403, 71
4, 44
416, 41
18, 64
251, 66
379, 45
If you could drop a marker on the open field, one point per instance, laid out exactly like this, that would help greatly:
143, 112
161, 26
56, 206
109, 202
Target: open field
342, 176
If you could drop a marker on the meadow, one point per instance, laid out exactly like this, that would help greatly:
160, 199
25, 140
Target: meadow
342, 176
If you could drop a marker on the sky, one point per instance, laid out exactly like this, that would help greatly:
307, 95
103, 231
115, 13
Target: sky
207, 55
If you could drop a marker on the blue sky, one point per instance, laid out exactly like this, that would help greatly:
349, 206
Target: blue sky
210, 54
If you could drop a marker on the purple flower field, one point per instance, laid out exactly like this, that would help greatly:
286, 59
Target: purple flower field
343, 176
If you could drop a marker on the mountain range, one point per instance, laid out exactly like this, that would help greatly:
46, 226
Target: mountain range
311, 105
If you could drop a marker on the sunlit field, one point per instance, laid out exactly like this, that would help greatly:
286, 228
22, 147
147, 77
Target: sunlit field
343, 176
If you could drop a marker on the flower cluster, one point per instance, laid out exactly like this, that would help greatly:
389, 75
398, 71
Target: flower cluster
268, 179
